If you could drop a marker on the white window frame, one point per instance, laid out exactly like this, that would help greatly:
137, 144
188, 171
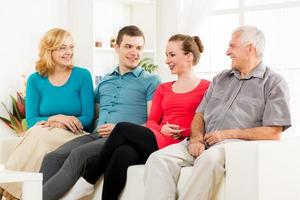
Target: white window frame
241, 10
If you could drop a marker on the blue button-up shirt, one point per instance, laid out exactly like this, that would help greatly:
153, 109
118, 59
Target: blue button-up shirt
124, 97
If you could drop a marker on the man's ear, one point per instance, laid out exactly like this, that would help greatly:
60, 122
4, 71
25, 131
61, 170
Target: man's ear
251, 49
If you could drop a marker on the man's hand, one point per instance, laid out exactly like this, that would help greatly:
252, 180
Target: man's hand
105, 129
214, 137
196, 148
71, 122
172, 130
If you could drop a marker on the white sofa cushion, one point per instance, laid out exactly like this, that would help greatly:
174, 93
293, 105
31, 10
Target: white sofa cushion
259, 170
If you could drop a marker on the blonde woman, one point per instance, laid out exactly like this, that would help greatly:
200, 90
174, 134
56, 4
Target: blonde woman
59, 105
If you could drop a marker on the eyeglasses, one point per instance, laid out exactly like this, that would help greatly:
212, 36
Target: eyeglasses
64, 49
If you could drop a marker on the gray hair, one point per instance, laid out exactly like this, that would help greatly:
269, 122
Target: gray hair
252, 35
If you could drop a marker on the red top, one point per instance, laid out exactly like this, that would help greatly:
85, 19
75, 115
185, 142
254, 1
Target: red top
174, 108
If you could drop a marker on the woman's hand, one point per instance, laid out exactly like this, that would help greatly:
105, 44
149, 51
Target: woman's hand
71, 122
41, 123
54, 124
172, 130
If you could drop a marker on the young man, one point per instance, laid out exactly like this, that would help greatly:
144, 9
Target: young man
123, 95
248, 102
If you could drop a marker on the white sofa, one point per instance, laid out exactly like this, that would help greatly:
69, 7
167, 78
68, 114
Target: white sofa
259, 170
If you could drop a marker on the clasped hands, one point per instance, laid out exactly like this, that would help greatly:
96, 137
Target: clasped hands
63, 121
195, 148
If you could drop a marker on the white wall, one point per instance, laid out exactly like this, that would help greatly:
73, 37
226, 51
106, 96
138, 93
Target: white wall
22, 25
167, 25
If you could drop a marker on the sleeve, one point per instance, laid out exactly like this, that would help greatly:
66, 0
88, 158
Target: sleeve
32, 102
207, 95
97, 89
97, 95
156, 111
87, 100
277, 112
154, 82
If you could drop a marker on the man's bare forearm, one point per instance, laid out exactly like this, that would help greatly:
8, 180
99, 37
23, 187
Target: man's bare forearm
197, 129
258, 133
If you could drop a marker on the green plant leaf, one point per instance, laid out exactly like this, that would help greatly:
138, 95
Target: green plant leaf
24, 124
21, 105
8, 111
17, 125
17, 129
6, 121
16, 119
148, 65
20, 98
15, 108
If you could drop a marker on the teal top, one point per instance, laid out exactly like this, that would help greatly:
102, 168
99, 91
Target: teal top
74, 98
123, 98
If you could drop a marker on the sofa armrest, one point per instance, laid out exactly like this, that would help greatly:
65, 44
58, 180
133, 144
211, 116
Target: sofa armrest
7, 145
262, 170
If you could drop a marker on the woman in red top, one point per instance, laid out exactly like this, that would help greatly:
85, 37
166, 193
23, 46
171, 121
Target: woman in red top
173, 107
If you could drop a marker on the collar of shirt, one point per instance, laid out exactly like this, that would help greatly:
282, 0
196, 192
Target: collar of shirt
257, 72
136, 72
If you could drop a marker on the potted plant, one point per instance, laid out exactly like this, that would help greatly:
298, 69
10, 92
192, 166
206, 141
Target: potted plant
16, 120
148, 65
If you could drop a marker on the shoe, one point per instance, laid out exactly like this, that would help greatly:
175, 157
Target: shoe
81, 189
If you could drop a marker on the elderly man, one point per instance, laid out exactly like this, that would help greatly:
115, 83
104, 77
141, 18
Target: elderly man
247, 102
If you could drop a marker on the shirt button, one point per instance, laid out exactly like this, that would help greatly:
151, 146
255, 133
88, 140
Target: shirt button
105, 122
118, 87
108, 112
122, 77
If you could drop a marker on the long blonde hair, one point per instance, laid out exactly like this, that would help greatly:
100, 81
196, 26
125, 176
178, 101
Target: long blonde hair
51, 41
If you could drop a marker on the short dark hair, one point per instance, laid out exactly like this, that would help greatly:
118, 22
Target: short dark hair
130, 31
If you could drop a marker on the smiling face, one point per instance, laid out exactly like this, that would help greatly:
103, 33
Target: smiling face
238, 52
62, 56
177, 60
130, 51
